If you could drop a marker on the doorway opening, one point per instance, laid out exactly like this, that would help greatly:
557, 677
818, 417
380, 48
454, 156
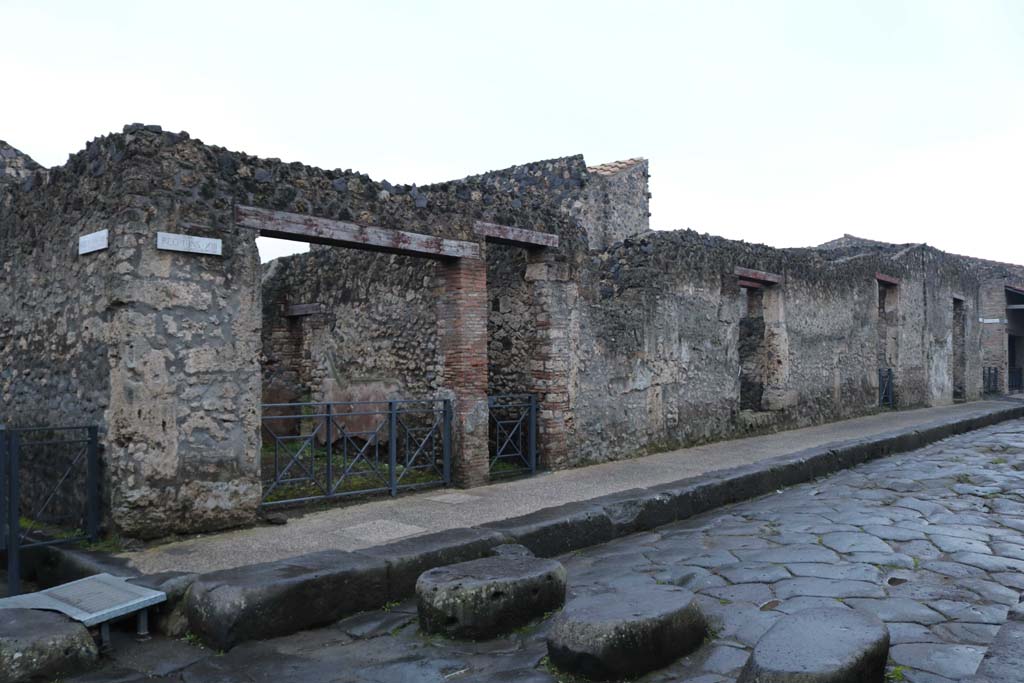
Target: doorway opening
959, 356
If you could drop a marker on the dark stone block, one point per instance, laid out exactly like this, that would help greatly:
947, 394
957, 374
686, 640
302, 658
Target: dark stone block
408, 558
558, 530
277, 598
627, 634
36, 644
488, 597
637, 509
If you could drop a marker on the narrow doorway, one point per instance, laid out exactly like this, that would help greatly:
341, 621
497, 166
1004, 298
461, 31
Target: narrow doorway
959, 358
751, 348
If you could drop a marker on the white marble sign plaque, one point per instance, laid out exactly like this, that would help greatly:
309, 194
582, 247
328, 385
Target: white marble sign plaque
94, 241
989, 321
189, 243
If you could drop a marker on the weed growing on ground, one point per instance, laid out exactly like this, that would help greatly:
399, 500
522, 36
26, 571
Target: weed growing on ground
896, 674
388, 606
193, 640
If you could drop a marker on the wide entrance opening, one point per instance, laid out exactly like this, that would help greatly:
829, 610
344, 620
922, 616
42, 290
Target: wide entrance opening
1014, 340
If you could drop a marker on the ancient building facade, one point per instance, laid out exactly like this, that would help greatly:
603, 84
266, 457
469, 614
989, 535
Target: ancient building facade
633, 341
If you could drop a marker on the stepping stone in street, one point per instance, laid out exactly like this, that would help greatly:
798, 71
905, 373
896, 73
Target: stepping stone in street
825, 645
484, 598
626, 634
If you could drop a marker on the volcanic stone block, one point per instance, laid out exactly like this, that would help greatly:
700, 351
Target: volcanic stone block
34, 643
626, 634
485, 598
277, 598
557, 530
826, 645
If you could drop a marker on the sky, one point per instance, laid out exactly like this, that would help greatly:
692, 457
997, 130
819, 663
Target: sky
785, 122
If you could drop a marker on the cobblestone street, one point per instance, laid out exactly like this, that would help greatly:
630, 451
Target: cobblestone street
931, 541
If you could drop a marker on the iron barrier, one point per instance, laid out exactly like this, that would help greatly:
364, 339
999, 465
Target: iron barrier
990, 380
886, 395
1015, 380
49, 490
512, 434
322, 451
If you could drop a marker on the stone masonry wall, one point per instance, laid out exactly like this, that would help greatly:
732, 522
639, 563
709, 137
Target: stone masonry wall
659, 359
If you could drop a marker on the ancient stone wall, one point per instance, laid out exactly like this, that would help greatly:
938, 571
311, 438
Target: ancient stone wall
660, 358
616, 202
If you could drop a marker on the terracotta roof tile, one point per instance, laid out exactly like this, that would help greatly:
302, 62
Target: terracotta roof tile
613, 167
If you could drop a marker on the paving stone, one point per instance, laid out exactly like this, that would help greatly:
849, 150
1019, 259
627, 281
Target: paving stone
820, 646
991, 590
945, 659
1011, 550
902, 632
755, 593
840, 570
1010, 579
884, 559
626, 634
953, 544
754, 573
971, 634
799, 604
483, 598
893, 533
827, 588
965, 611
898, 609
989, 563
725, 659
846, 542
789, 554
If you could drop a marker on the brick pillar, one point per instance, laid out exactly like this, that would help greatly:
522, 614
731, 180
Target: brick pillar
554, 299
463, 335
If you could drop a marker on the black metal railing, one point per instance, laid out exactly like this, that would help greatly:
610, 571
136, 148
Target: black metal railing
512, 434
317, 451
1015, 380
990, 380
49, 490
886, 394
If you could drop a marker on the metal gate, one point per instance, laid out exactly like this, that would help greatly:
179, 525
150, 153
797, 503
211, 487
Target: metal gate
990, 380
321, 451
49, 490
512, 434
1015, 380
886, 397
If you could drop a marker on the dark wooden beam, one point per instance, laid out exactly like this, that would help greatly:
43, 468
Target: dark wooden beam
1015, 307
506, 234
297, 310
887, 279
758, 276
304, 228
750, 284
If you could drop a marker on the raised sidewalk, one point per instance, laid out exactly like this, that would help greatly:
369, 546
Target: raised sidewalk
376, 522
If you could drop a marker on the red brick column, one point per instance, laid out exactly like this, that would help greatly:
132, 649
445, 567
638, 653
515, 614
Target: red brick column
554, 297
463, 335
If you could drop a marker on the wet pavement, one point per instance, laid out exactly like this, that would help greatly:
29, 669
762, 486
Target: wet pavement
931, 541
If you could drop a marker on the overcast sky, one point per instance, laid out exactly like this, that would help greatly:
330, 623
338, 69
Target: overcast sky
783, 122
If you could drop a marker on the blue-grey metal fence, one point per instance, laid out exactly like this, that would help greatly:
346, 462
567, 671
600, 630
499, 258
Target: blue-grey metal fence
49, 490
318, 451
513, 434
886, 394
1015, 380
990, 380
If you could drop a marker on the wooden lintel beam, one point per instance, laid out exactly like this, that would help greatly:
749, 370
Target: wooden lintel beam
506, 234
304, 228
887, 279
1015, 290
1015, 307
297, 310
758, 276
750, 284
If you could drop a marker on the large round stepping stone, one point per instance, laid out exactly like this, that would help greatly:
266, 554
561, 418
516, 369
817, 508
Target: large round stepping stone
484, 598
626, 634
824, 645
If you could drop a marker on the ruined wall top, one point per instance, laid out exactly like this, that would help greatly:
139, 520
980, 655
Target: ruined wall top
15, 165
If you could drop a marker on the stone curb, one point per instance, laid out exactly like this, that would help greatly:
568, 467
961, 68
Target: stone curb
276, 598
